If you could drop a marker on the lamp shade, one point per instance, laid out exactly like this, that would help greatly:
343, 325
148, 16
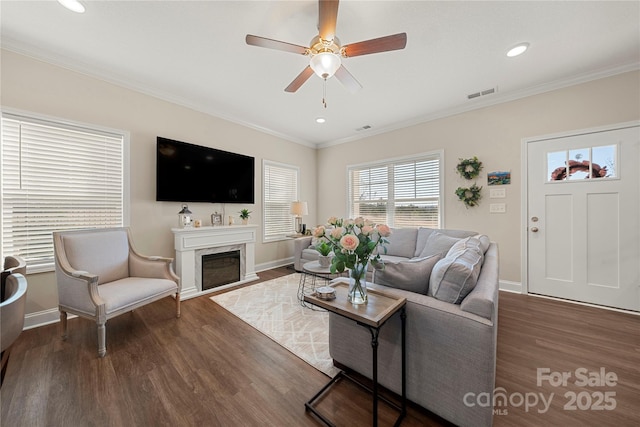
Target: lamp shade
325, 64
299, 208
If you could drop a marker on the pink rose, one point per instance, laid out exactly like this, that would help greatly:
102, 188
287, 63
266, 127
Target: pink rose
366, 230
336, 233
349, 242
369, 222
359, 222
332, 220
318, 232
384, 230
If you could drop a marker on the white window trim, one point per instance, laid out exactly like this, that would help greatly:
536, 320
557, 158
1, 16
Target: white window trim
385, 162
126, 180
265, 163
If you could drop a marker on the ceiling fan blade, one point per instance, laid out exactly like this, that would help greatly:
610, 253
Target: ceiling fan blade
327, 17
275, 44
347, 79
382, 44
299, 81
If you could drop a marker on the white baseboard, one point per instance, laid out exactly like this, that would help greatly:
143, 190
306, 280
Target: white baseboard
506, 285
41, 318
274, 264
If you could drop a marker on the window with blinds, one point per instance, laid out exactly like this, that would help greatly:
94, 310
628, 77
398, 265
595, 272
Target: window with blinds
401, 193
56, 177
280, 189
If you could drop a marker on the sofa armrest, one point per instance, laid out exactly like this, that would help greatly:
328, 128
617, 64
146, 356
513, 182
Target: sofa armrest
299, 244
483, 299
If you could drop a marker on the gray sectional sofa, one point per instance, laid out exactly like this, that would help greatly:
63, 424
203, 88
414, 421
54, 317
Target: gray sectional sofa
452, 313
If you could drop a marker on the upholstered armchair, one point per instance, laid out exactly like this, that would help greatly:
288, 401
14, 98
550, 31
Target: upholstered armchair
12, 307
13, 264
100, 276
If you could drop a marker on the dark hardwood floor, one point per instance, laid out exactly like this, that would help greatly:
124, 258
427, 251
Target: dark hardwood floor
209, 368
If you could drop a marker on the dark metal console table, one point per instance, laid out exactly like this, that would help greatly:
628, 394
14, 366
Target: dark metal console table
379, 308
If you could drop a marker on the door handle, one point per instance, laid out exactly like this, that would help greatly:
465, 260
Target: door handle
534, 229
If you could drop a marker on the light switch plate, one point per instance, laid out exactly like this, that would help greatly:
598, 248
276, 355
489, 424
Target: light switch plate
498, 193
497, 208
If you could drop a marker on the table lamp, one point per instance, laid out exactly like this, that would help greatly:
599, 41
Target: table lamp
299, 209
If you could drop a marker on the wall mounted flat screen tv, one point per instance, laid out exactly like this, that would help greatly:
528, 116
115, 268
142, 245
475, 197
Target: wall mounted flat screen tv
193, 173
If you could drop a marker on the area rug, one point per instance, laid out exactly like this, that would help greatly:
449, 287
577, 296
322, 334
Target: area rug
273, 308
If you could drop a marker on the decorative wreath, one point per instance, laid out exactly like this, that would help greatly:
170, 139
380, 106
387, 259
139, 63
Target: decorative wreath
470, 196
469, 168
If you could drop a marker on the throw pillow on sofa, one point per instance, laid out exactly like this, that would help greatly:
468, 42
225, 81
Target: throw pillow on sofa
438, 243
402, 242
411, 275
454, 276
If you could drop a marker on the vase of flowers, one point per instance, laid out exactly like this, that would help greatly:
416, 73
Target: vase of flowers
355, 243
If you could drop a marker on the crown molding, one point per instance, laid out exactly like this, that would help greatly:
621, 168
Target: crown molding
499, 98
87, 69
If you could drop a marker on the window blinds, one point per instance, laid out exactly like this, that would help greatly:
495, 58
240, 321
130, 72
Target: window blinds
56, 177
402, 193
280, 189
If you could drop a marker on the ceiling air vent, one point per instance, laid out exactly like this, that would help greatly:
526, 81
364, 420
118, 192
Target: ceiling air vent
365, 127
482, 93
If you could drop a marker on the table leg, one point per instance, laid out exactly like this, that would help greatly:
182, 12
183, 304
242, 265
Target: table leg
403, 317
374, 349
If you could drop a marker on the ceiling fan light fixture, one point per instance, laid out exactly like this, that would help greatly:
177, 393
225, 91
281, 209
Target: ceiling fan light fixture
72, 5
325, 64
518, 49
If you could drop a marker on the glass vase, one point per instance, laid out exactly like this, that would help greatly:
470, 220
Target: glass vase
358, 284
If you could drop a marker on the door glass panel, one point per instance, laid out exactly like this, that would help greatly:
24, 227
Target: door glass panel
583, 163
604, 161
556, 166
579, 164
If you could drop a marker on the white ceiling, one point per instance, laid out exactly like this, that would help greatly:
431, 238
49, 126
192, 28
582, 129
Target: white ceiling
193, 53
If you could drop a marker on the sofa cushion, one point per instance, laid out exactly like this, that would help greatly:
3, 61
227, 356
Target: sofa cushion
484, 241
454, 276
402, 242
438, 243
421, 241
411, 275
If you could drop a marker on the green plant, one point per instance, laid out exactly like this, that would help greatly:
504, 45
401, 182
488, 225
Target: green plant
245, 213
469, 168
324, 248
470, 196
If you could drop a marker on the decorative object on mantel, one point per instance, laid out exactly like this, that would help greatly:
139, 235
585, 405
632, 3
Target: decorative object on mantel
354, 243
244, 216
324, 248
470, 196
469, 168
185, 220
216, 219
299, 209
230, 220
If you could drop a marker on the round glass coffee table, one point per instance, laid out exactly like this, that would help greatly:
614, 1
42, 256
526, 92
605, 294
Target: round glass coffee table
311, 272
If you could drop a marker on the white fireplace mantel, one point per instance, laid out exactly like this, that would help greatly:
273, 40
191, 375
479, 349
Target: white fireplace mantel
190, 242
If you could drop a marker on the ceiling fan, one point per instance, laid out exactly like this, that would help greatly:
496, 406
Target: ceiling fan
326, 52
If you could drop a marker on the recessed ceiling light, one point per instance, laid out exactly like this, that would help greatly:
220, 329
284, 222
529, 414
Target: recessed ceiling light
320, 120
517, 49
73, 5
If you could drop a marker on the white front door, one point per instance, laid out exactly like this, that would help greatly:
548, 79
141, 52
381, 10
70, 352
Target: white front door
583, 224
